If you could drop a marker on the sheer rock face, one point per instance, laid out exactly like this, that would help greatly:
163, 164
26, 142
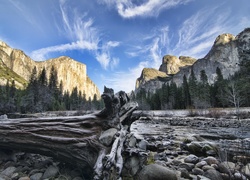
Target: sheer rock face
70, 72
152, 76
226, 53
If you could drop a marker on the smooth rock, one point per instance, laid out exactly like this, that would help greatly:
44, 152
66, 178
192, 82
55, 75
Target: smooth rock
226, 167
143, 145
201, 164
213, 174
191, 159
133, 165
197, 171
24, 178
107, 136
132, 141
239, 176
156, 172
207, 167
2, 177
184, 173
51, 171
246, 170
199, 177
211, 160
187, 166
36, 176
8, 171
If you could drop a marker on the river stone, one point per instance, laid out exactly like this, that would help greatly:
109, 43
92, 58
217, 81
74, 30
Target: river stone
211, 160
246, 170
24, 178
184, 173
3, 177
207, 167
156, 172
51, 171
239, 176
226, 166
194, 147
133, 165
213, 174
143, 145
200, 177
36, 176
132, 141
107, 136
8, 171
191, 159
197, 171
187, 166
201, 164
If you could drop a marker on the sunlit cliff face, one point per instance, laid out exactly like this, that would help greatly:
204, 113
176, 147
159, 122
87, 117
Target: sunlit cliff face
70, 72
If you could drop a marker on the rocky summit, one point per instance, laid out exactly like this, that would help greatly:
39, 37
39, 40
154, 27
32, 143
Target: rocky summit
227, 52
16, 65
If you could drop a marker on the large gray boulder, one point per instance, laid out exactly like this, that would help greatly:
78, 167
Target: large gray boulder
156, 172
213, 175
107, 136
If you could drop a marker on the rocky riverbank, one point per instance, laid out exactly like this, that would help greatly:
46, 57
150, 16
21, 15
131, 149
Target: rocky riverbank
158, 147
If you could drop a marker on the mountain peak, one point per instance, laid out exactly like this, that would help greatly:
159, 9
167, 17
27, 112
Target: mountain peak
224, 39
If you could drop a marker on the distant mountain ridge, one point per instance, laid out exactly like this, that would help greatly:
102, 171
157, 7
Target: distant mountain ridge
19, 67
226, 53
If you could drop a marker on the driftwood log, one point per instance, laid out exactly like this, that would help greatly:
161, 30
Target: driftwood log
75, 139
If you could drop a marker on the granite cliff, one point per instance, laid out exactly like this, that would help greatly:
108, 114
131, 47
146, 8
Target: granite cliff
70, 72
227, 52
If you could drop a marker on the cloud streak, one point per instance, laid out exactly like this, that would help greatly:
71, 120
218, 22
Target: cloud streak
128, 9
82, 35
194, 38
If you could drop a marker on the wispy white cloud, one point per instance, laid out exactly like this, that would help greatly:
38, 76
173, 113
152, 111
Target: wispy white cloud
79, 30
103, 55
194, 38
83, 35
41, 54
129, 9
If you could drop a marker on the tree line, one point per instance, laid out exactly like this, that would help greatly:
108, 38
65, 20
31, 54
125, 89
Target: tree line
44, 94
199, 94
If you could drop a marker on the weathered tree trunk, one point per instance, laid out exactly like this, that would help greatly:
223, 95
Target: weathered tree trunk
74, 139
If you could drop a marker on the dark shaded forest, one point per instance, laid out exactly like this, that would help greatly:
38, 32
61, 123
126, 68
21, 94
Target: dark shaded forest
44, 94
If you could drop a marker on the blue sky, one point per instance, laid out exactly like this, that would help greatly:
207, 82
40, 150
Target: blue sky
116, 39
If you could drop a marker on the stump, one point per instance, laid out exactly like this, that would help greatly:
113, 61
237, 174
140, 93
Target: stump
75, 139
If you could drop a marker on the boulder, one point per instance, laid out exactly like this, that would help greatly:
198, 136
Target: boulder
211, 160
107, 136
226, 167
156, 172
213, 174
50, 172
191, 159
8, 171
36, 176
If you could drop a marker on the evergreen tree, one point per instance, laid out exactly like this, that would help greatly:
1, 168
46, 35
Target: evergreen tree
192, 81
165, 96
43, 78
218, 90
203, 91
185, 93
